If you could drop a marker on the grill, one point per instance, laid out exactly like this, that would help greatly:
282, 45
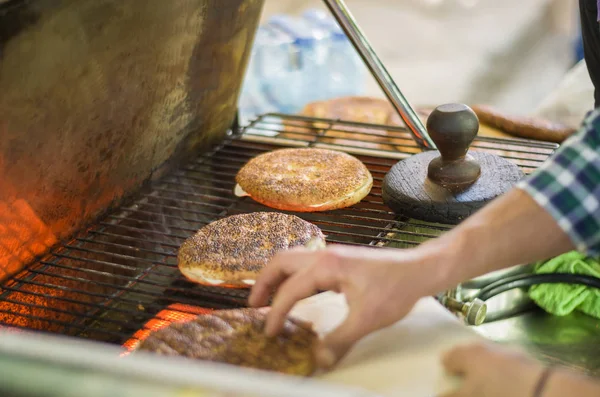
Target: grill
121, 272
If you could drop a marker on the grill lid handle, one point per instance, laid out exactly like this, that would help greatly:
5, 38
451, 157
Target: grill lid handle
347, 22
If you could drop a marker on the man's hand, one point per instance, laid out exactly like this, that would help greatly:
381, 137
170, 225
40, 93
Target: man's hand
488, 371
380, 285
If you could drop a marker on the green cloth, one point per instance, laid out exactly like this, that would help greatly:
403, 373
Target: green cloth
563, 299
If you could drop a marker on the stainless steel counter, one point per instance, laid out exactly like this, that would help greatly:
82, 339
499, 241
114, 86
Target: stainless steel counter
39, 365
573, 341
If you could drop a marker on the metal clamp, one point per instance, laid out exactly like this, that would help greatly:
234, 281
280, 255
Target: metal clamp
474, 312
342, 14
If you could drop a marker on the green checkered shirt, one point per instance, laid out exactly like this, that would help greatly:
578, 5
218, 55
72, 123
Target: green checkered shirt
568, 186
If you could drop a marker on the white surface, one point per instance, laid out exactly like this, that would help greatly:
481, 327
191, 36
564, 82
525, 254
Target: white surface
401, 360
571, 100
31, 362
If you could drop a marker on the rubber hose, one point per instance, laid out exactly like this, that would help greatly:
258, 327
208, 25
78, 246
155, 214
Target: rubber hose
529, 280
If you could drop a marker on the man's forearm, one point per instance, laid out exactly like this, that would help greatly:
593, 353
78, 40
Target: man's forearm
511, 230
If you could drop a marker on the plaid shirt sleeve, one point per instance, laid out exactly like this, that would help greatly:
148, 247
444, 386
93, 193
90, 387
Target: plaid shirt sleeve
568, 186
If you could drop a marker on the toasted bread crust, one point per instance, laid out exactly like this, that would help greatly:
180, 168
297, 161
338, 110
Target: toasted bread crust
232, 251
359, 109
237, 337
305, 180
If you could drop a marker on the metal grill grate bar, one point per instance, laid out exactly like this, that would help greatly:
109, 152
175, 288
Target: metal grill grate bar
225, 301
358, 208
68, 300
125, 237
152, 295
65, 325
317, 222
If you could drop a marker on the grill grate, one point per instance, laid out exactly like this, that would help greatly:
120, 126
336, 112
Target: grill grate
111, 279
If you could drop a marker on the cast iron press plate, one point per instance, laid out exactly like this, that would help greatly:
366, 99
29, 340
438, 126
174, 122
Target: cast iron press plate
459, 182
407, 190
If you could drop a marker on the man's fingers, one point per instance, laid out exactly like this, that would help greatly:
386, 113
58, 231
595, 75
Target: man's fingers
338, 342
277, 271
321, 274
299, 286
457, 360
455, 363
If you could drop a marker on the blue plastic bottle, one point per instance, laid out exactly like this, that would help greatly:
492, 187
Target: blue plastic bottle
345, 69
297, 60
307, 60
252, 100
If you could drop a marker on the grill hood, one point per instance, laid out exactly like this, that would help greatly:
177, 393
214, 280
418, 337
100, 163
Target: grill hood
98, 95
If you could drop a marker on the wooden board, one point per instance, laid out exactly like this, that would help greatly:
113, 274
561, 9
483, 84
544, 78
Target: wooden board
401, 360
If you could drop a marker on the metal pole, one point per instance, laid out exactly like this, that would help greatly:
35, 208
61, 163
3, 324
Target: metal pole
409, 116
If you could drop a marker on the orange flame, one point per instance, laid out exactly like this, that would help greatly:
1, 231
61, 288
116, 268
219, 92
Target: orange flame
23, 236
172, 314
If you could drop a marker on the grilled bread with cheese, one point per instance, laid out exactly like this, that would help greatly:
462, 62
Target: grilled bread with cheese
305, 179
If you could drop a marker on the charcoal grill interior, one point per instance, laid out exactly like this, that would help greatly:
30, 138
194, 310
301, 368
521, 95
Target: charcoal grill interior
111, 278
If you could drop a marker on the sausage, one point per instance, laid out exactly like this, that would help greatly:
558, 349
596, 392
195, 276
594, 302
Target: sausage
524, 127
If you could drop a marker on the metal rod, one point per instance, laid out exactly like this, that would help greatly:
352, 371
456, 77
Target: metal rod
405, 111
69, 325
190, 297
321, 219
129, 313
321, 216
344, 221
175, 247
317, 222
354, 209
117, 246
61, 311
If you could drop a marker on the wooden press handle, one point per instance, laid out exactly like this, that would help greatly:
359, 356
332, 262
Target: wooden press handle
453, 127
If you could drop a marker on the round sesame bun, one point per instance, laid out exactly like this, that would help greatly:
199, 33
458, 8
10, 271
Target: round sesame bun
305, 180
237, 337
232, 251
360, 110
